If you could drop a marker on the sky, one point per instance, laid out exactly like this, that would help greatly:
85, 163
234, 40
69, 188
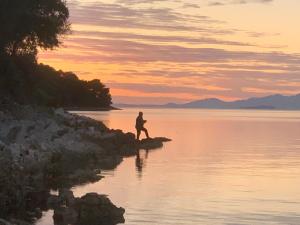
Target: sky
160, 51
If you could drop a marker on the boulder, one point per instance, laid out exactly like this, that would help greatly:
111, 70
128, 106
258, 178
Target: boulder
4, 222
60, 112
98, 210
152, 143
54, 202
13, 134
65, 216
84, 176
110, 162
128, 150
67, 197
17, 222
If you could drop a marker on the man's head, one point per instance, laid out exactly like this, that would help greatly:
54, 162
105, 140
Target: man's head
140, 113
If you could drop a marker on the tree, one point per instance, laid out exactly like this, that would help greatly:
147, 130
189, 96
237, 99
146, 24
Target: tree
100, 92
29, 24
26, 26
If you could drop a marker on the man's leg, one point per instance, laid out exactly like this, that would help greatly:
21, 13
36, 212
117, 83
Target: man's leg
146, 132
138, 133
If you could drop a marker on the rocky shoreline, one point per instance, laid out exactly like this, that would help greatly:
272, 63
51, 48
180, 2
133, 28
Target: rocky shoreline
43, 149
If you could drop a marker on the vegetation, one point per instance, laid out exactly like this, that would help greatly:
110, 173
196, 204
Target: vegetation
26, 26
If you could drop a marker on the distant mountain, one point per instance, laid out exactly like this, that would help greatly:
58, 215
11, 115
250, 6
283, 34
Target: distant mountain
269, 102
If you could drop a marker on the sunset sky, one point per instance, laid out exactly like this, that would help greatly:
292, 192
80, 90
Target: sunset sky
159, 51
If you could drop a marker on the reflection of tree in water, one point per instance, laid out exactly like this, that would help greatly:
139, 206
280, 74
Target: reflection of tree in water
140, 161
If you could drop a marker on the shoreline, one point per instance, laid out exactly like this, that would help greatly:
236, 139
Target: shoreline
83, 109
45, 149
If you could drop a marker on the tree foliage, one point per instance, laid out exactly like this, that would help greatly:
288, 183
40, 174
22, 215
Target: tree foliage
26, 26
64, 89
29, 24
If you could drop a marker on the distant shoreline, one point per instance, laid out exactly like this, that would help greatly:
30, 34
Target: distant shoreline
195, 108
271, 102
91, 108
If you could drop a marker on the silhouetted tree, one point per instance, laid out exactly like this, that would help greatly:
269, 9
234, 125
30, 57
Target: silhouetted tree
26, 26
29, 24
64, 89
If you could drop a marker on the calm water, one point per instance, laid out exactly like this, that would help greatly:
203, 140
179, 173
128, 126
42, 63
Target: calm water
223, 167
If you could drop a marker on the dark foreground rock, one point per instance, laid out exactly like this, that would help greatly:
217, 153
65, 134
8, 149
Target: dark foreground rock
43, 149
13, 222
152, 143
98, 210
91, 209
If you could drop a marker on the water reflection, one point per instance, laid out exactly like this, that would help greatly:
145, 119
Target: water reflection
231, 167
140, 161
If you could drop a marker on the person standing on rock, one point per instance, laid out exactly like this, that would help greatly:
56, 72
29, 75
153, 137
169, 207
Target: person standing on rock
139, 125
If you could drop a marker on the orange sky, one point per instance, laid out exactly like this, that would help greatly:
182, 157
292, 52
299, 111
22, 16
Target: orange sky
158, 51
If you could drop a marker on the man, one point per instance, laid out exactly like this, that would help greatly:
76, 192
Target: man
139, 125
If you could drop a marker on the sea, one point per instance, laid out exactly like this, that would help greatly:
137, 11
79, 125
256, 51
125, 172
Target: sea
222, 167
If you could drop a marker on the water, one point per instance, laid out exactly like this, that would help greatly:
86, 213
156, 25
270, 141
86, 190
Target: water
230, 167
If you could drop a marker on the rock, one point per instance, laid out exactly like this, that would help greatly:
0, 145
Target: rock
56, 149
18, 222
110, 162
97, 209
38, 213
4, 222
13, 134
84, 176
67, 197
60, 112
54, 201
2, 146
65, 216
128, 150
152, 143
108, 136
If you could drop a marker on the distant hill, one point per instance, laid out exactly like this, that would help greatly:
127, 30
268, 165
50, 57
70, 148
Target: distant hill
268, 102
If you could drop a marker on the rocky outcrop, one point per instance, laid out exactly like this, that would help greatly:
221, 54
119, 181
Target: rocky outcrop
43, 149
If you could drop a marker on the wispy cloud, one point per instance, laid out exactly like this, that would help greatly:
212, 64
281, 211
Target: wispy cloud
233, 2
163, 50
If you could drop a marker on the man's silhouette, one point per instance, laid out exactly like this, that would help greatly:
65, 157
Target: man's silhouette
139, 125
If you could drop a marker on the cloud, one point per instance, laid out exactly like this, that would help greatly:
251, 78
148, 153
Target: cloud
237, 2
124, 16
121, 50
161, 50
193, 4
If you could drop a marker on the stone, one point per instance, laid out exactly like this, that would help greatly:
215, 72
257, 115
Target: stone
67, 197
4, 222
54, 201
152, 143
65, 216
110, 162
84, 176
98, 210
128, 150
108, 136
13, 134
60, 112
2, 146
